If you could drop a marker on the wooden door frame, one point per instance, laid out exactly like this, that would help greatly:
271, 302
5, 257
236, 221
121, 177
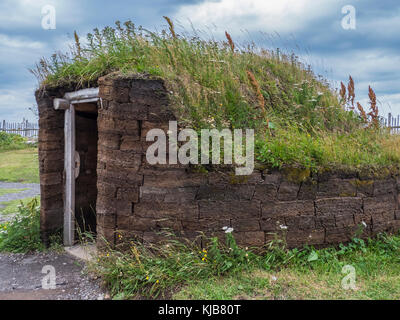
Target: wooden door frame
69, 167
68, 104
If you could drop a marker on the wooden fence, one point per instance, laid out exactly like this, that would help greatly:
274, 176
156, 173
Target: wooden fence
392, 122
24, 128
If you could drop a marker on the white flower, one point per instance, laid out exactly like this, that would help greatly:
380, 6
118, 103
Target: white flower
283, 227
364, 224
273, 278
227, 230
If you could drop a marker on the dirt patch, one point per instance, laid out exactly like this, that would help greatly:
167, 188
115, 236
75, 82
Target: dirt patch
21, 278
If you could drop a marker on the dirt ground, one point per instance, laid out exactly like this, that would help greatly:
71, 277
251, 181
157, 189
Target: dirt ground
21, 278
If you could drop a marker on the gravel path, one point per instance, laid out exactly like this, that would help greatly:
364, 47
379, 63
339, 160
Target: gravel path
21, 278
33, 191
21, 274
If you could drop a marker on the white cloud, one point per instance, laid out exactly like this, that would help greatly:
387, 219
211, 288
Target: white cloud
283, 16
19, 42
369, 67
15, 104
17, 14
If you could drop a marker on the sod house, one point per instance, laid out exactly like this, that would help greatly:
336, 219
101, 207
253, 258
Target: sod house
94, 176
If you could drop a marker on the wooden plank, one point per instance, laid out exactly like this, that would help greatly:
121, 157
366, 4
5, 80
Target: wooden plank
61, 104
84, 94
69, 164
86, 107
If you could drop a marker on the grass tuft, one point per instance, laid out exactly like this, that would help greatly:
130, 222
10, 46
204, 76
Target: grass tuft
22, 233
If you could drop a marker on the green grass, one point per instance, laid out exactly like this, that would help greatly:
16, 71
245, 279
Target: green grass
181, 271
11, 207
293, 285
22, 233
19, 166
375, 262
9, 191
11, 142
309, 124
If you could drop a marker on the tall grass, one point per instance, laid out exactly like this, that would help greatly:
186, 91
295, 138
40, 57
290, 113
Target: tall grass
162, 270
221, 84
22, 233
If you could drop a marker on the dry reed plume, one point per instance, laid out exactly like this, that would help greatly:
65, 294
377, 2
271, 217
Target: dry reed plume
77, 45
348, 97
342, 92
230, 41
171, 26
351, 93
362, 112
257, 89
374, 113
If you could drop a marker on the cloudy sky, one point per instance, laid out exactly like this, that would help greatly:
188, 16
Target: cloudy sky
313, 29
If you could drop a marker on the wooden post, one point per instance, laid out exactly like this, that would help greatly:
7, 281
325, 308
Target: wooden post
69, 165
67, 104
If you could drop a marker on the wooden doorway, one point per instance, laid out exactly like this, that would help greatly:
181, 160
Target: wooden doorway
80, 161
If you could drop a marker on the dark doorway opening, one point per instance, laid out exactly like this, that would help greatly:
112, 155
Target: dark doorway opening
86, 164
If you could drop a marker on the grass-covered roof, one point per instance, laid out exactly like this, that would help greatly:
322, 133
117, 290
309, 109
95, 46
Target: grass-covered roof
300, 120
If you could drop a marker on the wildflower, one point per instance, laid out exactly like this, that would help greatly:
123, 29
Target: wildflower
157, 281
147, 278
229, 230
364, 224
283, 227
